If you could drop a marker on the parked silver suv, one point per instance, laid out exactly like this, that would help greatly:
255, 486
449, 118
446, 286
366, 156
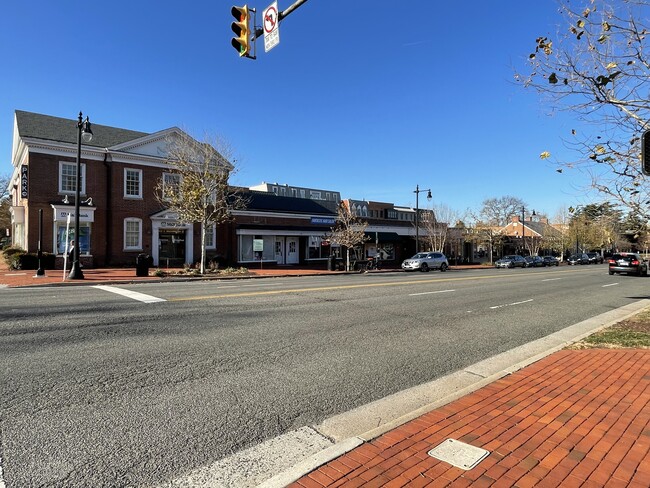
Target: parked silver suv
424, 261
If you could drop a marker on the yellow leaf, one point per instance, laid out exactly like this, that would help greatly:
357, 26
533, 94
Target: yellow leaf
611, 65
545, 155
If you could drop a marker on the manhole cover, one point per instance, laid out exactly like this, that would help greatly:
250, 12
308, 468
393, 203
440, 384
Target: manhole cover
458, 454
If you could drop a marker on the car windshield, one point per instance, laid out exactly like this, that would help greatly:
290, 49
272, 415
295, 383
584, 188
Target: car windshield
420, 255
509, 258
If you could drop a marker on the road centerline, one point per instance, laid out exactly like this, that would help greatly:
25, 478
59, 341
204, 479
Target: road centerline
430, 292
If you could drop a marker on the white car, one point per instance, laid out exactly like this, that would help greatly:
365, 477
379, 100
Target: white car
424, 261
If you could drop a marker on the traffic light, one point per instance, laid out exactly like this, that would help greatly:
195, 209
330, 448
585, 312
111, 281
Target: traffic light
645, 152
241, 30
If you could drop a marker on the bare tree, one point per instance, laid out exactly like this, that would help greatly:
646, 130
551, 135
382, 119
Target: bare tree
349, 231
598, 68
5, 202
498, 211
435, 226
196, 187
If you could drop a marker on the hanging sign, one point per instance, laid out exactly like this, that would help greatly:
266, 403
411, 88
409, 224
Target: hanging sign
24, 181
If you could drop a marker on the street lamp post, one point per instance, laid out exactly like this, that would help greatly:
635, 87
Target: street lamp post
83, 130
417, 192
523, 229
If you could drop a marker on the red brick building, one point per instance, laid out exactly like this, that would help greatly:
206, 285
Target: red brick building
120, 217
119, 214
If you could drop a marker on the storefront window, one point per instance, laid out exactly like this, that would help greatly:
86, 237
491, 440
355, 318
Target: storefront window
318, 248
246, 248
62, 237
386, 251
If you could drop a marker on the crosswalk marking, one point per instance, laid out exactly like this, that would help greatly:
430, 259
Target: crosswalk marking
141, 297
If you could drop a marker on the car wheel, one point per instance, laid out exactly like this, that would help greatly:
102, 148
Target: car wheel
424, 267
443, 267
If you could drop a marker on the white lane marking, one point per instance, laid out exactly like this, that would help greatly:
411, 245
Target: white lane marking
429, 292
611, 284
511, 304
141, 297
552, 279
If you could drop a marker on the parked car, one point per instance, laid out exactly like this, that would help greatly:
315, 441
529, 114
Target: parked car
628, 263
510, 261
581, 258
424, 261
595, 258
551, 261
534, 262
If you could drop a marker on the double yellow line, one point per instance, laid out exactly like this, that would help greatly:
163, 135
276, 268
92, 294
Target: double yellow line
341, 287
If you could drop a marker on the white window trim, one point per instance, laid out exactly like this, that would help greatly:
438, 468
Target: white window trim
139, 195
132, 248
83, 178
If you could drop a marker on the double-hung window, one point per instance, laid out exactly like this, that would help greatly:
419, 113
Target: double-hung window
132, 234
132, 183
68, 178
211, 236
171, 185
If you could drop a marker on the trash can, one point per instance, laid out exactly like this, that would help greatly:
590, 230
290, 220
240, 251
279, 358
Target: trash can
331, 263
142, 263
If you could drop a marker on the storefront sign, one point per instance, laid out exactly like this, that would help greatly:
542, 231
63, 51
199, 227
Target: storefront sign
24, 181
323, 220
85, 215
258, 245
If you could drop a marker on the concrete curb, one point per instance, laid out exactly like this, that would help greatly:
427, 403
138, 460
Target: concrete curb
344, 428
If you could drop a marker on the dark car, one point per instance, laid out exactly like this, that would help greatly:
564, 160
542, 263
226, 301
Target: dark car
595, 258
534, 262
551, 261
578, 259
510, 261
628, 263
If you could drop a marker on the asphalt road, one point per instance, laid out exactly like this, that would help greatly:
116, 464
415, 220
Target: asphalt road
109, 389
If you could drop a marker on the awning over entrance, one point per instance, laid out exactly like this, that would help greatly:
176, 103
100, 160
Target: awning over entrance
383, 236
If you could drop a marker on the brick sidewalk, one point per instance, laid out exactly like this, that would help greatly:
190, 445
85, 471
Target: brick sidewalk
575, 418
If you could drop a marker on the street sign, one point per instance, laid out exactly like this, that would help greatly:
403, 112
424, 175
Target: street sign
271, 27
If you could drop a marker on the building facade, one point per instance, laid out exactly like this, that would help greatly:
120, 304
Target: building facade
119, 216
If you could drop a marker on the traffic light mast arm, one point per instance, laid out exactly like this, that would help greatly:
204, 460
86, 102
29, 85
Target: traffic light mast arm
259, 32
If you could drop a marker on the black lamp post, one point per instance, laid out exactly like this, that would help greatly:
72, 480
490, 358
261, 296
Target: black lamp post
83, 130
417, 192
523, 229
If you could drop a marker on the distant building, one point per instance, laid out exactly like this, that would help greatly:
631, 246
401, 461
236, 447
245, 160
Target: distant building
327, 198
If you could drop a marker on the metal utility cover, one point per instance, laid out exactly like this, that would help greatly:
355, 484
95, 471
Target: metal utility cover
458, 454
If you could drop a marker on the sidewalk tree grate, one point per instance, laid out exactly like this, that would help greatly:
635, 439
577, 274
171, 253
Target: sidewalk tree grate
458, 454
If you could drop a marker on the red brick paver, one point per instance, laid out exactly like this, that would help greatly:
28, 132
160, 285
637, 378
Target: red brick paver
575, 418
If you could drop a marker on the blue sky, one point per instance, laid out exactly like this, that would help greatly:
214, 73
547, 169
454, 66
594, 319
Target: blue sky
366, 97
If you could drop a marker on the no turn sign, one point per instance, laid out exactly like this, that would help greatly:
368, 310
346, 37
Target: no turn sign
271, 27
